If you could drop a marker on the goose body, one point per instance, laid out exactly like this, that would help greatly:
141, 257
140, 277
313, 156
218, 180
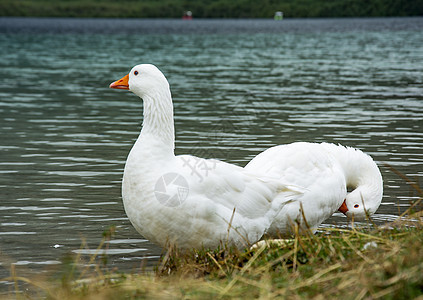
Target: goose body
325, 171
194, 202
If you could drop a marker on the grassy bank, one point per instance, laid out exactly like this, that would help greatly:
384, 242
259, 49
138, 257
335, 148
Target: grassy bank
211, 9
366, 262
358, 263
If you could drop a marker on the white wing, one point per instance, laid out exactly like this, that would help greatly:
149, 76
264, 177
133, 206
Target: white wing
223, 196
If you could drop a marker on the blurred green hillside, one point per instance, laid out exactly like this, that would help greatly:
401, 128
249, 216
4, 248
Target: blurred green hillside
211, 8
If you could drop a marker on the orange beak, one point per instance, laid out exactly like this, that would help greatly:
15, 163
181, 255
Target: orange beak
121, 83
343, 209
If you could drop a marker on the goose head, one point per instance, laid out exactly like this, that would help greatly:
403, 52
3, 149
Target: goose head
149, 83
360, 203
143, 80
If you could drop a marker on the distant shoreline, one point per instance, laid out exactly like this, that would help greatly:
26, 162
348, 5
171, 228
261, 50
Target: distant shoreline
232, 9
204, 26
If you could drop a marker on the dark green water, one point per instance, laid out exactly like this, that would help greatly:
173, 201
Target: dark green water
239, 87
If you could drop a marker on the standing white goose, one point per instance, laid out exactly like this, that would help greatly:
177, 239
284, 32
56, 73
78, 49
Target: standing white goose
194, 202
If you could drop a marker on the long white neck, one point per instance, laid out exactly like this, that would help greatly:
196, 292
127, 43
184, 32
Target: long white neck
360, 171
158, 124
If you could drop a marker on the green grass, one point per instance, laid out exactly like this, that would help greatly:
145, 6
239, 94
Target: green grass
335, 265
367, 262
378, 263
210, 8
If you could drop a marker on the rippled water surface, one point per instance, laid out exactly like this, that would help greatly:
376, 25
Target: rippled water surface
239, 87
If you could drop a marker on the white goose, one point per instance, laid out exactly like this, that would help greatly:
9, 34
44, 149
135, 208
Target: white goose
194, 202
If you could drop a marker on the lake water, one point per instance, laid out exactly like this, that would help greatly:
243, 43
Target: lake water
239, 87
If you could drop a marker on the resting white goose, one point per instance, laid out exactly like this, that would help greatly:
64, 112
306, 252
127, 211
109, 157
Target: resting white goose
194, 202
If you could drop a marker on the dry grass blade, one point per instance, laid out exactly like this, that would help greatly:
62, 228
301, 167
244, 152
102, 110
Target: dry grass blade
404, 177
317, 276
358, 252
243, 270
230, 223
216, 262
361, 294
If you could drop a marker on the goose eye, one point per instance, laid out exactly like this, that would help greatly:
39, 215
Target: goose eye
135, 73
356, 206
